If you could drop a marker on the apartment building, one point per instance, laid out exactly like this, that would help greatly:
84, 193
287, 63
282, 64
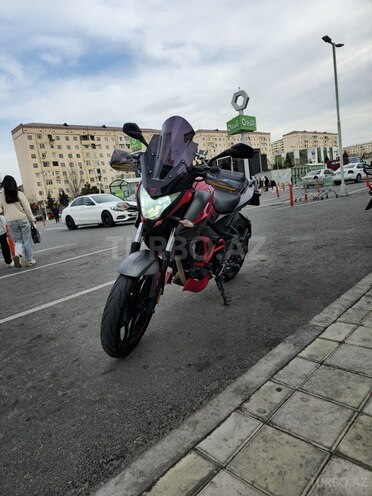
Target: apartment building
215, 141
361, 150
305, 146
55, 157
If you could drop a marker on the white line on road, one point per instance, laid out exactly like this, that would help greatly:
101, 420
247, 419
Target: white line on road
27, 271
55, 302
54, 228
53, 248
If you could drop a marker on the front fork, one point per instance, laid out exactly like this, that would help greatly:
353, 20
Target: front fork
158, 283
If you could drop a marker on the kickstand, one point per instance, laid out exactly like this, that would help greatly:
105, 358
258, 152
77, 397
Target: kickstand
226, 299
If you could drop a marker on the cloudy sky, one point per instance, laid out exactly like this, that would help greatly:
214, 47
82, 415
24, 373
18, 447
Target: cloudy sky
100, 62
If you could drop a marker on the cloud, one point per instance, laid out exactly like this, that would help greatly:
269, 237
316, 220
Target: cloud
110, 61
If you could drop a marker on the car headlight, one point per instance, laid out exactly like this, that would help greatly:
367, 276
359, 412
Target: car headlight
120, 207
153, 208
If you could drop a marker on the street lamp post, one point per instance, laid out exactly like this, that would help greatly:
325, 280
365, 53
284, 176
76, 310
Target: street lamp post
327, 39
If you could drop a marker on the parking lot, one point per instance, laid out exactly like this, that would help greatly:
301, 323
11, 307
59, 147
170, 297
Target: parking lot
71, 417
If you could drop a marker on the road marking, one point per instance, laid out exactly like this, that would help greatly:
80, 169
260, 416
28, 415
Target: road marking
55, 302
27, 271
54, 228
53, 248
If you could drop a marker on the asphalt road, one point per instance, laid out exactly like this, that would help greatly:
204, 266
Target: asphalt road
71, 417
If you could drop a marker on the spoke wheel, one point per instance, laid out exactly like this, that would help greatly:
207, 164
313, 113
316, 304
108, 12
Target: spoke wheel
125, 318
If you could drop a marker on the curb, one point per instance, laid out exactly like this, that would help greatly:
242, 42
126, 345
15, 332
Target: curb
154, 462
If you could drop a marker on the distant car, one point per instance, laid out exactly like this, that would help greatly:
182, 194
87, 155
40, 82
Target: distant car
102, 209
317, 176
352, 172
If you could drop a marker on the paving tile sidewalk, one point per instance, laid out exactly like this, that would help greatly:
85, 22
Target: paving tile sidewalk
306, 431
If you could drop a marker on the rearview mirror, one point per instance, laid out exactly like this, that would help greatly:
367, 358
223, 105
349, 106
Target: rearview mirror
133, 131
120, 159
239, 150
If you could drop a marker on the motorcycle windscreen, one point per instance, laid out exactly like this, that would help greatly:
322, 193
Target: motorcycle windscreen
167, 162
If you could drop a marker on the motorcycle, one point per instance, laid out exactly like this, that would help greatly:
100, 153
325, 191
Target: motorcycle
189, 221
368, 171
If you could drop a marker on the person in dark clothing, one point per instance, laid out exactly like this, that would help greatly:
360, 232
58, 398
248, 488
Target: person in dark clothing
267, 183
56, 213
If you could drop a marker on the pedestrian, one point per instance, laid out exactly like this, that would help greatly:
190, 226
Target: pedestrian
18, 216
56, 214
272, 184
4, 243
261, 183
267, 183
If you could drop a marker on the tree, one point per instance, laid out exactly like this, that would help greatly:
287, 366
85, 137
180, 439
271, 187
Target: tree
88, 189
74, 181
63, 198
51, 203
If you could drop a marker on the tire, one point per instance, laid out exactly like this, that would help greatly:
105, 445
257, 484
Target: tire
107, 219
70, 223
123, 323
358, 178
243, 226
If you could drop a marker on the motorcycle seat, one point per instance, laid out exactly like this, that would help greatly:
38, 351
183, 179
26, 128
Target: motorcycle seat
225, 202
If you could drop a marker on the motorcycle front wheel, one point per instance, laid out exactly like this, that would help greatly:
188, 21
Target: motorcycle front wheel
125, 317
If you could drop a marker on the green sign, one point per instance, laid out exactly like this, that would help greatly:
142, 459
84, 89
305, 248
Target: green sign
241, 123
135, 145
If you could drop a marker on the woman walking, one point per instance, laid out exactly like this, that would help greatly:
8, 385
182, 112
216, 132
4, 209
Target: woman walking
18, 215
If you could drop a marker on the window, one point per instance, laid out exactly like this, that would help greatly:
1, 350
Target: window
42, 145
29, 136
60, 155
78, 155
77, 147
70, 155
35, 166
75, 138
67, 138
46, 164
59, 147
49, 181
68, 147
77, 202
40, 193
33, 156
38, 184
62, 164
55, 164
32, 147
58, 138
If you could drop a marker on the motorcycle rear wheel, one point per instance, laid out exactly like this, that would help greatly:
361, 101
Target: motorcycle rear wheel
124, 319
243, 227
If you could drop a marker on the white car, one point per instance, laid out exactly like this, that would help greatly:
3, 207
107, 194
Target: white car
352, 172
103, 209
317, 176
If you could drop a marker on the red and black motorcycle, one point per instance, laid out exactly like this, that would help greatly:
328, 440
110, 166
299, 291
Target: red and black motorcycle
368, 171
190, 221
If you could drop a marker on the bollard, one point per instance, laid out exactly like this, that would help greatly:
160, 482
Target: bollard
277, 191
283, 186
305, 195
291, 200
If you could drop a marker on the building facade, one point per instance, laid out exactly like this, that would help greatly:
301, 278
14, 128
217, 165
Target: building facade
363, 150
300, 147
53, 158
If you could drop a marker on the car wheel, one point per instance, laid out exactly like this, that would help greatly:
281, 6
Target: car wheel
107, 219
358, 178
70, 223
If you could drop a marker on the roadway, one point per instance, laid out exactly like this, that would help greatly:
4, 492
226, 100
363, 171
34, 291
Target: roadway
71, 417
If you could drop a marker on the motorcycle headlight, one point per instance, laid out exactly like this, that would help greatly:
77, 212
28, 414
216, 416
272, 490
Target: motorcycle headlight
153, 208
